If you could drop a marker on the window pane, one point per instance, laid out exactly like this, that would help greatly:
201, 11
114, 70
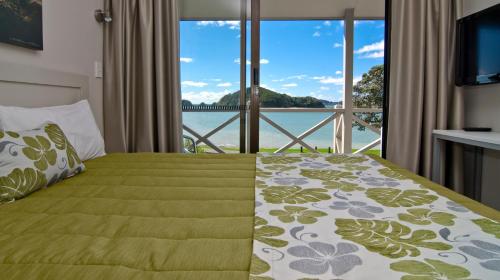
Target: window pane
368, 79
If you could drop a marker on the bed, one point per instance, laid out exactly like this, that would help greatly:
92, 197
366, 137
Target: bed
172, 216
260, 217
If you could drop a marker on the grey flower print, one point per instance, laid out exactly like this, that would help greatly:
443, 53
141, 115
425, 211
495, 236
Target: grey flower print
314, 165
380, 181
318, 258
290, 181
357, 209
456, 207
486, 251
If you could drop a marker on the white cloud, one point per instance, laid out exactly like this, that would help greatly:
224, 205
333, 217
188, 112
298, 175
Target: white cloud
290, 85
237, 61
262, 61
338, 45
338, 72
332, 80
316, 34
215, 80
317, 27
324, 88
375, 50
224, 84
294, 77
379, 54
193, 84
207, 97
232, 24
378, 46
327, 23
186, 59
336, 81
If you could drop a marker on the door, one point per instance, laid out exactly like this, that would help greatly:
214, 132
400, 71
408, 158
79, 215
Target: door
281, 75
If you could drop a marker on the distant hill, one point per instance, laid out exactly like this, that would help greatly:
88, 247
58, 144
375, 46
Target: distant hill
330, 104
272, 99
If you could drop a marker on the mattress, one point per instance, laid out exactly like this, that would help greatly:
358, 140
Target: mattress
171, 216
136, 216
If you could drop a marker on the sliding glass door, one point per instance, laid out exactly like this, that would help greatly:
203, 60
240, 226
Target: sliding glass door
320, 84
213, 44
281, 76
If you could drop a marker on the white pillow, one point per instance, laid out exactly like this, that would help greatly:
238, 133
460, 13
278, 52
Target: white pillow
76, 121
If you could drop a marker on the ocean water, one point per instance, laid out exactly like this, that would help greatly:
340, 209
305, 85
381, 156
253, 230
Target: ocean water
295, 123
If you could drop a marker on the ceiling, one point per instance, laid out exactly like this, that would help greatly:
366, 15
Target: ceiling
282, 9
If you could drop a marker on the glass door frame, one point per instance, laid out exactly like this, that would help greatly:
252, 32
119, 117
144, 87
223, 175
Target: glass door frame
248, 109
243, 76
254, 78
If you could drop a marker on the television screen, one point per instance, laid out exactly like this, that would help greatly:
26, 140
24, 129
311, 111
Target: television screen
478, 50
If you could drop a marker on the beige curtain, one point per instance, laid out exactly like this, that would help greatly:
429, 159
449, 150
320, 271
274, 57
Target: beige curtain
422, 92
142, 102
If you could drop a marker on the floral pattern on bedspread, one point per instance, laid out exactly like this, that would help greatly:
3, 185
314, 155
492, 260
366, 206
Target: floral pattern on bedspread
350, 217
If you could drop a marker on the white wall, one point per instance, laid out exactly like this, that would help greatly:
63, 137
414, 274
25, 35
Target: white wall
72, 43
482, 108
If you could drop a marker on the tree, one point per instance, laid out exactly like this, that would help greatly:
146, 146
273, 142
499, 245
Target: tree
369, 93
186, 103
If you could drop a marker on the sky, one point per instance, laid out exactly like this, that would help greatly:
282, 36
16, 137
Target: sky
299, 58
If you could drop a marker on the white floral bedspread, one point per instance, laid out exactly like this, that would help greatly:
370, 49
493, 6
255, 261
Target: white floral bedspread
350, 217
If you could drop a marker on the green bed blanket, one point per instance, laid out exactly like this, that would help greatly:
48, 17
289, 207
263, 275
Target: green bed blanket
136, 216
171, 216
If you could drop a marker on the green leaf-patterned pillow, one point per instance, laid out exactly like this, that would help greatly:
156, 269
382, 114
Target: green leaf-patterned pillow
33, 159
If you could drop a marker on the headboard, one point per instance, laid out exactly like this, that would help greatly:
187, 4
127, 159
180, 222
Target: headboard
27, 86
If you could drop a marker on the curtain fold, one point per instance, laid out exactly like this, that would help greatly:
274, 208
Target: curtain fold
142, 100
423, 96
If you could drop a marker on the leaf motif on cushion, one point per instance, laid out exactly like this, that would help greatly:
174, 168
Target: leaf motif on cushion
422, 216
39, 150
391, 197
266, 233
430, 270
388, 238
294, 195
489, 226
57, 136
19, 183
387, 172
327, 175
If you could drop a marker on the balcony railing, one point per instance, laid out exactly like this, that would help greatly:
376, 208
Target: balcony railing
340, 135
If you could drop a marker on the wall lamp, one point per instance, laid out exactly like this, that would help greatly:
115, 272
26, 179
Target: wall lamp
102, 16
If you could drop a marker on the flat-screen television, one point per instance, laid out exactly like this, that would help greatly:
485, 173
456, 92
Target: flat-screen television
478, 48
